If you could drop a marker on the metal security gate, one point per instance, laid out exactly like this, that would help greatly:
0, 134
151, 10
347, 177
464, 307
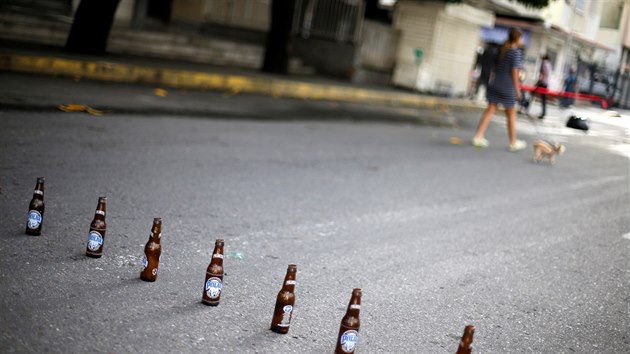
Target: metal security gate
336, 20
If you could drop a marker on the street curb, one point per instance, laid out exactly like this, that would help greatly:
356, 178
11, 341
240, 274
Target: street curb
279, 88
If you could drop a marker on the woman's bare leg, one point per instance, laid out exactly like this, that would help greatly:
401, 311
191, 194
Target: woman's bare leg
511, 124
485, 120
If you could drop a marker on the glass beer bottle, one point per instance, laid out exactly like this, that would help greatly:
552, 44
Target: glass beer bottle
214, 277
349, 329
96, 237
36, 210
152, 251
285, 302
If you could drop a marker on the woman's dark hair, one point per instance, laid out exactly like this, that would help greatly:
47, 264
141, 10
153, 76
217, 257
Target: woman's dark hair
513, 36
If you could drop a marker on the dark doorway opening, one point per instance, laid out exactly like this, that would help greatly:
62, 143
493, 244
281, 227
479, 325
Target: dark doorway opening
160, 10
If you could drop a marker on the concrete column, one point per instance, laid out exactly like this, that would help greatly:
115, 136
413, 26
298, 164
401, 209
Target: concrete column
124, 13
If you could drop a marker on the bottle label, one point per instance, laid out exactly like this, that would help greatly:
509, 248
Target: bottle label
290, 282
145, 264
100, 212
217, 255
95, 241
213, 287
355, 307
286, 316
349, 341
38, 192
34, 219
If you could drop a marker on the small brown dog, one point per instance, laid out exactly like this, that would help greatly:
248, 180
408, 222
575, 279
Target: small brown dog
544, 149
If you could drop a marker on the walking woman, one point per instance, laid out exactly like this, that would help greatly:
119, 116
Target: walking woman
504, 88
543, 81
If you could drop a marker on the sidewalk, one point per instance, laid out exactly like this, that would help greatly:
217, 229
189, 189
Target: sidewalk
195, 77
43, 60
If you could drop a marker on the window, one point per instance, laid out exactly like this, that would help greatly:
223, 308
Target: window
611, 14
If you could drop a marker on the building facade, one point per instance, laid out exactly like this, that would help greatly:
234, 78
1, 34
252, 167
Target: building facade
425, 45
436, 45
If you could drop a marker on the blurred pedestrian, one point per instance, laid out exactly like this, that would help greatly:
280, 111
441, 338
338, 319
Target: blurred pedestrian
475, 72
543, 82
483, 67
570, 84
504, 88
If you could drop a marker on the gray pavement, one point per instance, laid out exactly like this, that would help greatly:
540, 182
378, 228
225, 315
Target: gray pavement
44, 94
437, 235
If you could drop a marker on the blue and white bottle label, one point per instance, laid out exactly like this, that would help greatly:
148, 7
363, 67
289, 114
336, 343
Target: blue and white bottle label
349, 341
95, 240
34, 219
213, 287
145, 262
286, 316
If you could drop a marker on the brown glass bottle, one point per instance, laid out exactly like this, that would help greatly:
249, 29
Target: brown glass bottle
36, 210
152, 251
285, 302
465, 344
214, 276
349, 329
96, 237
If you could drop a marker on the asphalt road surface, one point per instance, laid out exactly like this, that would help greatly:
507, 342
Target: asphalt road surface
437, 235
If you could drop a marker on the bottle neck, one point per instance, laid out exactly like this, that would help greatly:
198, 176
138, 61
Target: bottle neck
38, 192
156, 234
99, 214
40, 184
156, 230
354, 307
467, 338
289, 281
217, 254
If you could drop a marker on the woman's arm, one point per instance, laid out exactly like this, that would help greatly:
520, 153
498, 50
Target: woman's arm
517, 83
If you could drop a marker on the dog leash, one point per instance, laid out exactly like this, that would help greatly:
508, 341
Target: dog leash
539, 135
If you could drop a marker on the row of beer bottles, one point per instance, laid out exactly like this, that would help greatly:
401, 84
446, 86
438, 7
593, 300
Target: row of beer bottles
96, 235
213, 284
285, 301
348, 335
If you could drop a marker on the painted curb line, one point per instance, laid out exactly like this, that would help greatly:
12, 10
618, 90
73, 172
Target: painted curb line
118, 72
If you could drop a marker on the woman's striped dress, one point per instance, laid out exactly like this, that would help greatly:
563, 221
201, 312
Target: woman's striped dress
501, 87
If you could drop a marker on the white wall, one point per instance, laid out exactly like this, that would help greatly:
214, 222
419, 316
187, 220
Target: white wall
416, 25
448, 34
454, 52
585, 22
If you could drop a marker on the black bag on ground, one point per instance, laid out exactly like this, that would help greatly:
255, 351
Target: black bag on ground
577, 122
